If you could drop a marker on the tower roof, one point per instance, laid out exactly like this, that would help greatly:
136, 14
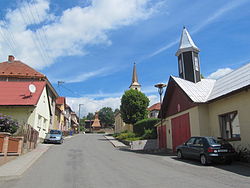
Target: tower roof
186, 43
134, 77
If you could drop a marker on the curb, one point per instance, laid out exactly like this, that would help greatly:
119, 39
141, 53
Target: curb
20, 165
115, 142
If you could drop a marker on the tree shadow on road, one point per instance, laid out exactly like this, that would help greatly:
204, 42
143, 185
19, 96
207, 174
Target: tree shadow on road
149, 152
236, 167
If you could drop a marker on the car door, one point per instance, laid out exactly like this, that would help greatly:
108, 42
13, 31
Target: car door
187, 150
197, 148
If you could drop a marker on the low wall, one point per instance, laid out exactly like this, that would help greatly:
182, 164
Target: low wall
144, 144
10, 145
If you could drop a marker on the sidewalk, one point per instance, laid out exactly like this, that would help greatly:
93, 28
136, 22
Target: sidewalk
115, 142
15, 168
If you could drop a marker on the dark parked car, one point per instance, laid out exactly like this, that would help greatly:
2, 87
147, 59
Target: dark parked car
207, 150
54, 136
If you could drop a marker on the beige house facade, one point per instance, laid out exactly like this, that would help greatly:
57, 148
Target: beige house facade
120, 126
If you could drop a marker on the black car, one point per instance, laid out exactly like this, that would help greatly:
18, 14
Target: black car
207, 150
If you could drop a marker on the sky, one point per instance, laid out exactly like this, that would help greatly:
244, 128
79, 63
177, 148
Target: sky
90, 46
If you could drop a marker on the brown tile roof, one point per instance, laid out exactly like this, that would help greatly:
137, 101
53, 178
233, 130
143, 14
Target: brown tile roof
17, 93
61, 100
156, 106
18, 69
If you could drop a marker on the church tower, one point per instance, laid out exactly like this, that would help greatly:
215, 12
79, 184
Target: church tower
188, 58
135, 85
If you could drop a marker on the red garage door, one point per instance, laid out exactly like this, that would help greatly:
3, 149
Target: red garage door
162, 137
180, 129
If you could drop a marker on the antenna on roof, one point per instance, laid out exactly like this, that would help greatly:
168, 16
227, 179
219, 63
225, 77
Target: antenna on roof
60, 82
32, 89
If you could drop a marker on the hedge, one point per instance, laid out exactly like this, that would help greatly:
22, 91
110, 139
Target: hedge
145, 124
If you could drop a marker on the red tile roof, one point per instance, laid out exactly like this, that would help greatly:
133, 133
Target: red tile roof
156, 106
60, 100
17, 93
18, 69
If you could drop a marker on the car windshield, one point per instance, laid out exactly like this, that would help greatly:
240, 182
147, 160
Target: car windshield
55, 132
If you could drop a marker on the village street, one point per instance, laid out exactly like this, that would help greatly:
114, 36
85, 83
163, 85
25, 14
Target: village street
92, 161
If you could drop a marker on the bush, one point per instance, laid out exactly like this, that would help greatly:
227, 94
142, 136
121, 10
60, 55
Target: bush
149, 134
124, 136
145, 124
7, 124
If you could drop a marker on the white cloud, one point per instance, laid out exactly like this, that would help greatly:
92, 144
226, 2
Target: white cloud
93, 105
220, 73
53, 36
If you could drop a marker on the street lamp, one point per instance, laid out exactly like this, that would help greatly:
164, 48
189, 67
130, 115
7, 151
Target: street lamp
79, 117
160, 87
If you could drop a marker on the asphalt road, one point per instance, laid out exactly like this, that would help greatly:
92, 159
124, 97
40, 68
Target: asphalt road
90, 161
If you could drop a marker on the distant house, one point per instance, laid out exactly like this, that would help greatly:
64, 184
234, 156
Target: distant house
74, 122
96, 125
61, 106
26, 107
120, 126
154, 110
203, 107
13, 70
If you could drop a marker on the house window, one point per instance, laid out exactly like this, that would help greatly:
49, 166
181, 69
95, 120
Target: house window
230, 126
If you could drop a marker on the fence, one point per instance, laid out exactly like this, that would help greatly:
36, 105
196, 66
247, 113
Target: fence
30, 136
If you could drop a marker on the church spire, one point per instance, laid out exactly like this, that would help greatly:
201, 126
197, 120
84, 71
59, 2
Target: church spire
186, 43
135, 84
188, 58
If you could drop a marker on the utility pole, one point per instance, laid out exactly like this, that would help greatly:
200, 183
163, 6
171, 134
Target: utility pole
79, 117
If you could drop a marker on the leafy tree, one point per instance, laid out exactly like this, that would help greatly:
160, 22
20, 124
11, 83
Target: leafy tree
106, 116
116, 110
134, 106
7, 124
90, 116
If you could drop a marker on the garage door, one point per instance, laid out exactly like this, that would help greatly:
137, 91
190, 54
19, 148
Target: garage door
162, 137
180, 129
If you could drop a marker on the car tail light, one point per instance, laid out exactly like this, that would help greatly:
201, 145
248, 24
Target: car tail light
210, 150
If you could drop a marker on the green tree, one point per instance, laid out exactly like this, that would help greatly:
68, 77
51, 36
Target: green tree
90, 116
116, 111
106, 116
134, 106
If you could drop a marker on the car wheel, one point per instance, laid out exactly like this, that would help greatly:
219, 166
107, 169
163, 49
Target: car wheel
203, 160
179, 154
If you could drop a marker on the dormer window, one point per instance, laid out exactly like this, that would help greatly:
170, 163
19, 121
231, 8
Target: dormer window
180, 67
196, 63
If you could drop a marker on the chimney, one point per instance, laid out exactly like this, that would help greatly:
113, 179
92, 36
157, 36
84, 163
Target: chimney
11, 58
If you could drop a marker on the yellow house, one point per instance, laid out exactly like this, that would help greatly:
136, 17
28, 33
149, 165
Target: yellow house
120, 126
61, 105
27, 102
203, 107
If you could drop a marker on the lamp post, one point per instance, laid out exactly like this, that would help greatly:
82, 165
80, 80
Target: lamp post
79, 117
160, 87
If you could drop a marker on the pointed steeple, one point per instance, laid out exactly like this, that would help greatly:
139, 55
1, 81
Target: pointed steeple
186, 43
135, 84
188, 58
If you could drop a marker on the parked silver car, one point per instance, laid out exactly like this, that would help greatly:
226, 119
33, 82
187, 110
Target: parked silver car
54, 136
